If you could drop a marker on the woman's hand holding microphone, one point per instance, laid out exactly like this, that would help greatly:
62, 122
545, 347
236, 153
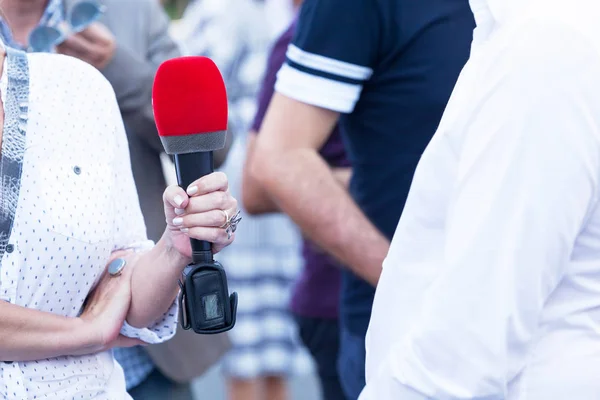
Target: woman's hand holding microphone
203, 211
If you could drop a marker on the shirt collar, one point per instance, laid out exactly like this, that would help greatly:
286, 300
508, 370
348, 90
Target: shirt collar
53, 15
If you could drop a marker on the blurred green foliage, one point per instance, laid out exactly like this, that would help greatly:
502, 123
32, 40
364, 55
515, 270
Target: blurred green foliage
175, 8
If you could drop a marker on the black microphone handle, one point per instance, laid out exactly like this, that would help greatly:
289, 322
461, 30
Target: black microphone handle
189, 168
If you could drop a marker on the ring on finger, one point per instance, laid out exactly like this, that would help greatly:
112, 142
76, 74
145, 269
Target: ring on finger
116, 267
232, 224
227, 219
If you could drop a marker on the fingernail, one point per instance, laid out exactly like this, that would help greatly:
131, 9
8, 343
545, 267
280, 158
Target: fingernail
178, 200
192, 190
179, 211
184, 230
177, 221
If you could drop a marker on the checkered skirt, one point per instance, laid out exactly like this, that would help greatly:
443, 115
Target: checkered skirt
262, 266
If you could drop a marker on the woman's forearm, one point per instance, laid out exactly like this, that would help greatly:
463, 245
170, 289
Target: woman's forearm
27, 334
154, 284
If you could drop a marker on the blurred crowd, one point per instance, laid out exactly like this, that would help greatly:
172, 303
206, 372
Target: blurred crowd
486, 288
317, 98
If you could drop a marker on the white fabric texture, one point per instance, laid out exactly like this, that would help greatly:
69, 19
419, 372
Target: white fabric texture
491, 288
77, 204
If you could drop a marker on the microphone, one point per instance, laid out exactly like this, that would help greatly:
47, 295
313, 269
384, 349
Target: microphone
190, 110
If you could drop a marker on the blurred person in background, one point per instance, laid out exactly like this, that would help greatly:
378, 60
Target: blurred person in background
237, 35
385, 71
126, 45
315, 297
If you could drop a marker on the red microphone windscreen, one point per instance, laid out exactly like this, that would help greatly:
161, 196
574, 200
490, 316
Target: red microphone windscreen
190, 105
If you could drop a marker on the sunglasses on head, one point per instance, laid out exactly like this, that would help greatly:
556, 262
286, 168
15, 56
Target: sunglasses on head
81, 15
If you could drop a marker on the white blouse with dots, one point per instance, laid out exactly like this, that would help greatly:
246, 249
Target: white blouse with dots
77, 203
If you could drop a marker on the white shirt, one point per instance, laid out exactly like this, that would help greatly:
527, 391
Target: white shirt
491, 288
77, 203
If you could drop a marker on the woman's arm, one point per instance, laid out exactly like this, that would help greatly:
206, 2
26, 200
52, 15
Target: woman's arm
155, 274
196, 214
27, 334
154, 284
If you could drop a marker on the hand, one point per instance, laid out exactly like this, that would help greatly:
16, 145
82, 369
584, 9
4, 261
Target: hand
199, 213
105, 311
95, 45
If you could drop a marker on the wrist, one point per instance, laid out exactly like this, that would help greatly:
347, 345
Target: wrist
175, 258
83, 336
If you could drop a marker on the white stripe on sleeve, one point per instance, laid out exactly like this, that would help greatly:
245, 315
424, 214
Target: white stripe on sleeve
316, 90
329, 65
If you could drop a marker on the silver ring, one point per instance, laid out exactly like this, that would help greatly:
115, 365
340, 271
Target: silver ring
116, 266
227, 219
233, 223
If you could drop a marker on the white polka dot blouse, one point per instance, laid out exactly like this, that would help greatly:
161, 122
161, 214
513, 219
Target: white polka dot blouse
74, 203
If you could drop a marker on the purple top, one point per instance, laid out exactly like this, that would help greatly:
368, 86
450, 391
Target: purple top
316, 293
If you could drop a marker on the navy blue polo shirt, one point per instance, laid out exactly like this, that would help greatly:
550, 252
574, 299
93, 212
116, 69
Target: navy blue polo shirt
388, 66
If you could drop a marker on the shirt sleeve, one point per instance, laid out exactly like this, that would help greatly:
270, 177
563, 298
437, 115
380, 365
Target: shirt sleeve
332, 55
129, 230
527, 183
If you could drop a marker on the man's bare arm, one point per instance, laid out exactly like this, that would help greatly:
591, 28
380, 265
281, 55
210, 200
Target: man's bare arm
255, 198
287, 164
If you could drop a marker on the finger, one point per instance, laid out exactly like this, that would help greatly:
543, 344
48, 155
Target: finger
212, 201
217, 181
209, 219
69, 52
107, 289
97, 33
175, 197
76, 46
111, 287
216, 236
218, 247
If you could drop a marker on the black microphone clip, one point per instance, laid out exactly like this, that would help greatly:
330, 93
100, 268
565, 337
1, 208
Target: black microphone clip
204, 302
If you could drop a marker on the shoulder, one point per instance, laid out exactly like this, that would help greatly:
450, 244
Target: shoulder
73, 97
544, 52
72, 76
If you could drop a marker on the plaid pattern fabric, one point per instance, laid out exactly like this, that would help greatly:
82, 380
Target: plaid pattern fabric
53, 15
262, 267
136, 364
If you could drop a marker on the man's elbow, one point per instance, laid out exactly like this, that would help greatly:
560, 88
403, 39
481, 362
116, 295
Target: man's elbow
262, 168
250, 202
252, 186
